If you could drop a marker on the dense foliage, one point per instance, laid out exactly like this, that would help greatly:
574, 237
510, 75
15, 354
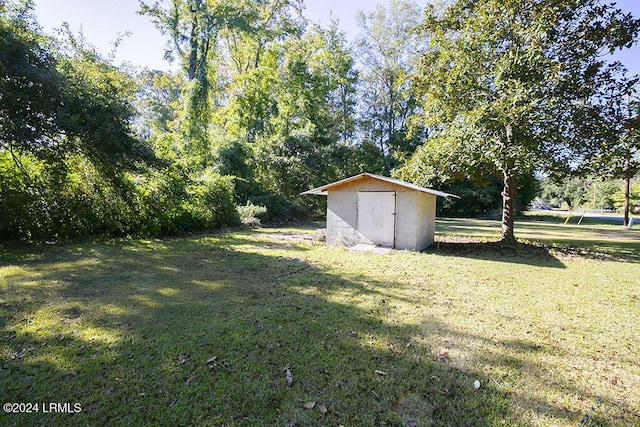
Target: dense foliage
482, 197
589, 193
264, 105
65, 137
517, 86
70, 161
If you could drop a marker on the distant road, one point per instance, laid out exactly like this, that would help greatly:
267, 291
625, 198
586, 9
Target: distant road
607, 216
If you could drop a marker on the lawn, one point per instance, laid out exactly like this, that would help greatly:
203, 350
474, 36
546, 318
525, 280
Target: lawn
269, 328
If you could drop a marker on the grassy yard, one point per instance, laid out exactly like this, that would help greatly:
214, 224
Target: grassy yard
266, 328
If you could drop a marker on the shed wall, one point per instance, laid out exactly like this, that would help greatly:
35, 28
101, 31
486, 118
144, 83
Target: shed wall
342, 212
342, 217
406, 217
414, 222
426, 220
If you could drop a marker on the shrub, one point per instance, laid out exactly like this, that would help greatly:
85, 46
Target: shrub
209, 203
250, 214
171, 202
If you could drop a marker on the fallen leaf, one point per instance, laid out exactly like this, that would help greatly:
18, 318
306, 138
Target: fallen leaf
380, 372
211, 360
322, 409
309, 405
289, 375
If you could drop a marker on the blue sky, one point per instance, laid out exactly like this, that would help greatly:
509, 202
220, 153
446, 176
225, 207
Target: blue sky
102, 20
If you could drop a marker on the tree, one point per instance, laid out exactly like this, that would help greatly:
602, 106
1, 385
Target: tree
573, 192
66, 134
158, 101
311, 114
278, 112
515, 85
618, 157
210, 37
387, 52
53, 104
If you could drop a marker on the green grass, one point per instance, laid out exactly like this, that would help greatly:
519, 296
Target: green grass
126, 328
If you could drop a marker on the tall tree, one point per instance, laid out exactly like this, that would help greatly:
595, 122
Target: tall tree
618, 157
514, 85
52, 104
386, 52
214, 40
192, 27
312, 101
66, 133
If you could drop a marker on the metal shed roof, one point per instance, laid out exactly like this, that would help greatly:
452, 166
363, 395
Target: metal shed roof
323, 189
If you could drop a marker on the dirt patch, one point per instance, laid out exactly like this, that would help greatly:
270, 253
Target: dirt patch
370, 248
291, 237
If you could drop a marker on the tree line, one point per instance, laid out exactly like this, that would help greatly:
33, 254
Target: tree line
473, 98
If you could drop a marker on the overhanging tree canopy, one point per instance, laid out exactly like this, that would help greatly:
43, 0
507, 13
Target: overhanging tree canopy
53, 104
514, 85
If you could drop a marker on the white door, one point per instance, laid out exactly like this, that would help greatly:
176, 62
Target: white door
376, 216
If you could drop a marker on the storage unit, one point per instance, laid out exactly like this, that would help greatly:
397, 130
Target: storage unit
378, 210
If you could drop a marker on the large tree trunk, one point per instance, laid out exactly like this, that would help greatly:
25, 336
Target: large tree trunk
508, 194
508, 206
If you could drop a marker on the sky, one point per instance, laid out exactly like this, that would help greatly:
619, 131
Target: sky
102, 21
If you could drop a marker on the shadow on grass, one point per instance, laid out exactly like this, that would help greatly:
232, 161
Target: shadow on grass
545, 238
198, 332
528, 253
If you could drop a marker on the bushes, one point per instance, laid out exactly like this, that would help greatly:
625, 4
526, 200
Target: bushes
172, 202
484, 198
250, 214
210, 202
41, 201
38, 201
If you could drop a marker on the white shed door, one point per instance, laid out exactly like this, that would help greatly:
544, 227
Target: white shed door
376, 219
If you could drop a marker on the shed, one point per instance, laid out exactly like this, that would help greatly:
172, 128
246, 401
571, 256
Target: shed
374, 209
